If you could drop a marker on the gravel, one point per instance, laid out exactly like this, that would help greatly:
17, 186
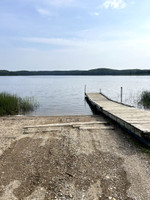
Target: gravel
69, 162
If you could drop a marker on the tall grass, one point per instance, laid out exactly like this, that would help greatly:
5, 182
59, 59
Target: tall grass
14, 105
144, 100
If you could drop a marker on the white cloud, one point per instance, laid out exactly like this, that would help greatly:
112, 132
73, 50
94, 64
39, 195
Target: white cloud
54, 41
114, 4
132, 53
43, 11
95, 14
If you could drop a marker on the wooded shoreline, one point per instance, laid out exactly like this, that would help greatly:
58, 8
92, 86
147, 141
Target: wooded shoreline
92, 72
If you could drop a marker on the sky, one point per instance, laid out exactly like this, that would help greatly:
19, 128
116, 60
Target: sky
74, 34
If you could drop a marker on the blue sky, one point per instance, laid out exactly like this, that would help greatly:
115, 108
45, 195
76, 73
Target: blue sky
74, 34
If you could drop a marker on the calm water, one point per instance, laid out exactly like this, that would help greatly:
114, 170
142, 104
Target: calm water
64, 95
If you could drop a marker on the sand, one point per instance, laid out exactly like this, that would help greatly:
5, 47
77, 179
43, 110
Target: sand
93, 162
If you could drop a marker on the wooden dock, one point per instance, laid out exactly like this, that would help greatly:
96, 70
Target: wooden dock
135, 121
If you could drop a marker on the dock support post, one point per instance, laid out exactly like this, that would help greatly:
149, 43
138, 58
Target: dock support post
121, 94
85, 89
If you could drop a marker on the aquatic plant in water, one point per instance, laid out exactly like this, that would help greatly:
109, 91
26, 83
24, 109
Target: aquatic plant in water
144, 100
11, 104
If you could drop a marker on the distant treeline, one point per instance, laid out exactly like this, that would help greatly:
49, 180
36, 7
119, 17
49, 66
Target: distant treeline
92, 72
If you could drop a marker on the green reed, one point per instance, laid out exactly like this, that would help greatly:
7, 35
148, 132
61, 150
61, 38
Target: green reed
11, 104
144, 99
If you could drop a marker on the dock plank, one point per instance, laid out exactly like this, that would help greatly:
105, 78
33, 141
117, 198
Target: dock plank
134, 120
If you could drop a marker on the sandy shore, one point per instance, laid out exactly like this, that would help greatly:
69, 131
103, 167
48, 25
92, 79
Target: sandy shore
86, 161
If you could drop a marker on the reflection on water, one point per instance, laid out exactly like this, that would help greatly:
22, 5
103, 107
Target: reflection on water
64, 95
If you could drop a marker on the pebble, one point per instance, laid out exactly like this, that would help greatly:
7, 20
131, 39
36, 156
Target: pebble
112, 198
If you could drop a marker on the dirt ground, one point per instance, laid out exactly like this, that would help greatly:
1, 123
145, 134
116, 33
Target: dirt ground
93, 162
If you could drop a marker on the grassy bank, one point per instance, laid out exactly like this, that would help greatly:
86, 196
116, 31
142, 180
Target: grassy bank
14, 105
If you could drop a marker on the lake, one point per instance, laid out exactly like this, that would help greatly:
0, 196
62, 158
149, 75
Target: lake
64, 95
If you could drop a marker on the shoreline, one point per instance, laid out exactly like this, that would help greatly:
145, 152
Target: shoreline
94, 161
